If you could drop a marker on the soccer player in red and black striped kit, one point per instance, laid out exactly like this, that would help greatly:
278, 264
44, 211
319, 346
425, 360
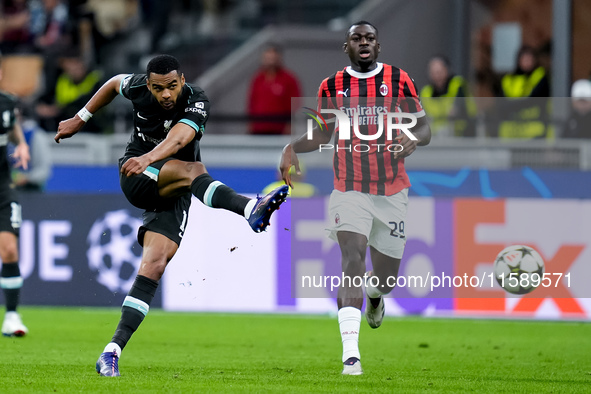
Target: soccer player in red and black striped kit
368, 205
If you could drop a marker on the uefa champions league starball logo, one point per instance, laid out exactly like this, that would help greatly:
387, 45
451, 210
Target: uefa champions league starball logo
111, 253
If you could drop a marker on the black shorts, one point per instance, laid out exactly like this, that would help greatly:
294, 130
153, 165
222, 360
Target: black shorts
166, 216
10, 212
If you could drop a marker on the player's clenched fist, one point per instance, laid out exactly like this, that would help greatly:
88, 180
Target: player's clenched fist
134, 166
408, 146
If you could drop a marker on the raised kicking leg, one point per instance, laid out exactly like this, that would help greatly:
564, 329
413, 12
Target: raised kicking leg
177, 177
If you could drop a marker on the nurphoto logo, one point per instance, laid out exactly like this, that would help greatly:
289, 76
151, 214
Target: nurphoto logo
353, 117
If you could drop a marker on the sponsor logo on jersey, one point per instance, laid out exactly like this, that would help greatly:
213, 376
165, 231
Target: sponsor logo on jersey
147, 138
201, 112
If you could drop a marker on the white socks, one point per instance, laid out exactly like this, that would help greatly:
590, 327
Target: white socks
349, 323
113, 347
372, 292
248, 209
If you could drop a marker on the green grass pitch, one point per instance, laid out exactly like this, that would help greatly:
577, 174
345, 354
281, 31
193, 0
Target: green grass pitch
190, 352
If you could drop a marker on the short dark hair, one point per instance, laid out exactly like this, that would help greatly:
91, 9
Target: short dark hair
163, 64
358, 23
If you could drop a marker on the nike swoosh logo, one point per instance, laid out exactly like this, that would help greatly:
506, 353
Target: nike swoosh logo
141, 117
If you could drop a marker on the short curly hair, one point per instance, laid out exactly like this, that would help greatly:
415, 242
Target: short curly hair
163, 64
358, 23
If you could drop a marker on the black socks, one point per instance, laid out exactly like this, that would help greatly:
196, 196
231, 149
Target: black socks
217, 195
11, 283
134, 309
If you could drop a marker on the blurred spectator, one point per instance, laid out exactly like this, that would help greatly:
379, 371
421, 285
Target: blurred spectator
48, 25
36, 175
579, 123
113, 16
111, 19
74, 87
50, 33
446, 101
270, 94
526, 118
157, 15
529, 78
15, 35
217, 17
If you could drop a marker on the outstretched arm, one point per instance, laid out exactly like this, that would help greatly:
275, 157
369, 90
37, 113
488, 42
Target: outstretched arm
103, 97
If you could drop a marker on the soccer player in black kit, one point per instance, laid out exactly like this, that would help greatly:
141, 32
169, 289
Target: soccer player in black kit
159, 171
10, 214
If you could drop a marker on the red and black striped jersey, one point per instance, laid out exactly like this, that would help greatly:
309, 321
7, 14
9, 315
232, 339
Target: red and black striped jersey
363, 165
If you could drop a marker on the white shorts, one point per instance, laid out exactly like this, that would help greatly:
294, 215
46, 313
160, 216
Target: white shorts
379, 218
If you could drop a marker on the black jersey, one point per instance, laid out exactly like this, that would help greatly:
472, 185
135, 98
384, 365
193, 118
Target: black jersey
7, 120
151, 122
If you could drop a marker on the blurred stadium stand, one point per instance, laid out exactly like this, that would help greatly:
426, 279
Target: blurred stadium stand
221, 59
408, 43
263, 151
